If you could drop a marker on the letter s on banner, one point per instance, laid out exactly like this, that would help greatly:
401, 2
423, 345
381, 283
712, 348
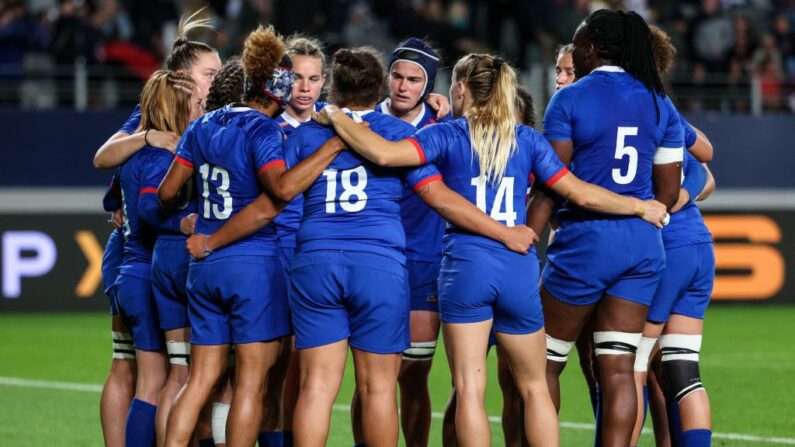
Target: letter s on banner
16, 266
764, 261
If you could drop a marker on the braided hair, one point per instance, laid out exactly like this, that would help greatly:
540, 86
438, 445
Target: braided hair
624, 39
227, 86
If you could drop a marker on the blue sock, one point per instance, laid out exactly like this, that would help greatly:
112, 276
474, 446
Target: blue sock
288, 438
271, 439
697, 438
594, 399
140, 424
674, 422
645, 404
206, 442
597, 440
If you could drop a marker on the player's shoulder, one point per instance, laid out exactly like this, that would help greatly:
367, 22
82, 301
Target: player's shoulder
389, 126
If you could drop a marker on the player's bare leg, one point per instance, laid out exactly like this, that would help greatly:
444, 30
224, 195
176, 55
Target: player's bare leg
322, 369
617, 328
651, 331
449, 438
694, 408
415, 399
119, 387
657, 404
563, 324
254, 363
291, 386
272, 416
527, 357
512, 403
376, 385
207, 365
177, 376
466, 345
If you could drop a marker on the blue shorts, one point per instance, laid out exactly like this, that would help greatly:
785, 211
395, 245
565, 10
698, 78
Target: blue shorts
169, 274
624, 258
686, 283
111, 259
423, 280
478, 284
360, 296
237, 299
286, 255
137, 308
111, 293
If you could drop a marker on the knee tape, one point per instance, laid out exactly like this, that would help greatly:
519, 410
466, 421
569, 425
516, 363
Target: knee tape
178, 352
615, 343
220, 414
558, 350
123, 348
680, 355
644, 351
420, 351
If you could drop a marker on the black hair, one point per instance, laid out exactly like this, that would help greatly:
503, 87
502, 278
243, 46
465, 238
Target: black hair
227, 86
624, 39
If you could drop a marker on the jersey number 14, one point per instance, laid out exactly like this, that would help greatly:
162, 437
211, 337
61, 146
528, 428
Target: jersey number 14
503, 200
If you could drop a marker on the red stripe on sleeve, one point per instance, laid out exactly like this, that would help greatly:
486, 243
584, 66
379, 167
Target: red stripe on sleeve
183, 162
531, 179
426, 180
270, 165
148, 190
420, 151
556, 177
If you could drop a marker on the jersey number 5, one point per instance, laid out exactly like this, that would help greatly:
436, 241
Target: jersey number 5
503, 200
215, 174
349, 190
626, 151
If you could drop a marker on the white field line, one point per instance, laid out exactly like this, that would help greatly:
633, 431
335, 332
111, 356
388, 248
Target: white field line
93, 388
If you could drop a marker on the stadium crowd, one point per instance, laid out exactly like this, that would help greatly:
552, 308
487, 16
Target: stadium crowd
725, 47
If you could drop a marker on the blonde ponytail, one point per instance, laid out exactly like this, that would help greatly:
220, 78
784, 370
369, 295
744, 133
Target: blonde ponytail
492, 115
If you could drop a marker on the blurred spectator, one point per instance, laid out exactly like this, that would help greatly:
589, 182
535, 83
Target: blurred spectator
711, 36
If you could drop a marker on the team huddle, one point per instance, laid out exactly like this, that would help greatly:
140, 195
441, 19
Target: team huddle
262, 234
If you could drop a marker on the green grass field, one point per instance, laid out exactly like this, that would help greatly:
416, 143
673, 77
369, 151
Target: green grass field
748, 366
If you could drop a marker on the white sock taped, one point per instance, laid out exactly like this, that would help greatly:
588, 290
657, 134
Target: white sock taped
420, 351
178, 352
123, 348
558, 350
220, 414
643, 354
615, 343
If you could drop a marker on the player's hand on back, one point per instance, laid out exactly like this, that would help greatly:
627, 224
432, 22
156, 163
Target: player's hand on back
196, 245
654, 213
187, 225
520, 238
440, 104
117, 219
166, 140
324, 116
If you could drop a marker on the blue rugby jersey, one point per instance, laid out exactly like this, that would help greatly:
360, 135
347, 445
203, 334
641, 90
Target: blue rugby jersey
132, 122
687, 226
354, 205
612, 121
288, 221
448, 146
140, 178
228, 148
424, 227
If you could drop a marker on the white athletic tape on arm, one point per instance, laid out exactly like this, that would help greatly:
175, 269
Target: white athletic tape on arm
123, 348
644, 351
220, 414
680, 347
420, 351
558, 350
616, 343
178, 352
665, 155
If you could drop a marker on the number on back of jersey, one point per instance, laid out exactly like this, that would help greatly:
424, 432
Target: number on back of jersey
353, 197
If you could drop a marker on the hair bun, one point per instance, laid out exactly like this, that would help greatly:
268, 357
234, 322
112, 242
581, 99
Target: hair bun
497, 63
345, 56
